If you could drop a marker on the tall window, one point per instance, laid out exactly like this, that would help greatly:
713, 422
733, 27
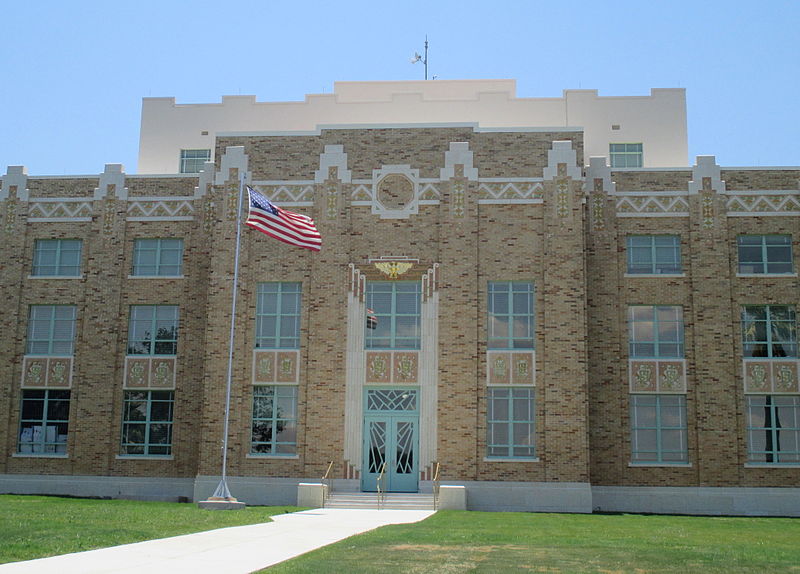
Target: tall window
193, 160
769, 331
654, 254
510, 315
625, 154
655, 331
510, 431
396, 305
153, 257
773, 428
153, 330
658, 429
51, 330
278, 316
57, 258
767, 254
274, 428
44, 421
147, 423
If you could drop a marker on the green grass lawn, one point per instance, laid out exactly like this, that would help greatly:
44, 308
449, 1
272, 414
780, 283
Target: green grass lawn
495, 543
38, 526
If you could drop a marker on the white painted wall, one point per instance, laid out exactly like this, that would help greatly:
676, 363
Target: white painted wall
657, 120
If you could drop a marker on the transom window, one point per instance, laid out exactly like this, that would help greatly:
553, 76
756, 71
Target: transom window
655, 331
769, 331
51, 330
625, 154
510, 315
153, 330
193, 160
658, 429
654, 254
147, 423
57, 258
274, 428
773, 428
153, 257
44, 421
510, 430
765, 254
396, 306
278, 316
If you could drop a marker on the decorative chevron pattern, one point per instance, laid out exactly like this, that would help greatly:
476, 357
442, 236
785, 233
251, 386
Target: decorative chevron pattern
60, 209
510, 190
765, 203
287, 192
183, 207
644, 205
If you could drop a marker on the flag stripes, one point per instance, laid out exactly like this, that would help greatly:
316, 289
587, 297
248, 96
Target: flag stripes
287, 226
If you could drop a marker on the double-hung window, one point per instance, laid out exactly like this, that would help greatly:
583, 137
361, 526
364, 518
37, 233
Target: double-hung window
765, 254
510, 428
44, 421
773, 429
153, 330
625, 154
769, 331
655, 331
396, 306
193, 160
278, 316
658, 429
158, 257
147, 423
510, 315
654, 254
57, 258
51, 330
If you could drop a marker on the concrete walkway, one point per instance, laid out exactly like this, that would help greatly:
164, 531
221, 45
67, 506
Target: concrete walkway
236, 550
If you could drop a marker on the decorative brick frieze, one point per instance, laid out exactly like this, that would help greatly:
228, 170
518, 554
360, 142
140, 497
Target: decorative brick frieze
657, 376
511, 368
47, 372
275, 366
392, 367
156, 372
773, 376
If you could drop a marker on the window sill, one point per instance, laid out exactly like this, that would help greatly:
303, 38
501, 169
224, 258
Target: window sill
772, 465
771, 275
55, 276
39, 455
273, 456
144, 457
660, 464
660, 275
509, 459
156, 276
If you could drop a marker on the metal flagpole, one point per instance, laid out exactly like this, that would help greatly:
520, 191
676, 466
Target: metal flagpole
222, 491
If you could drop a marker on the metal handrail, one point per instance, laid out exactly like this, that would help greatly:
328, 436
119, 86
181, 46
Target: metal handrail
326, 484
436, 487
381, 490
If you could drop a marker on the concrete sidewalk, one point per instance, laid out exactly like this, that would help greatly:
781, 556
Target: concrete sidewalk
236, 550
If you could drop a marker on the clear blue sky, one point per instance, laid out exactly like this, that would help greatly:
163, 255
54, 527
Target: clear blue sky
74, 73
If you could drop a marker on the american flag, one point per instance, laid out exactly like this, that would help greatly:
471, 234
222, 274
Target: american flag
286, 226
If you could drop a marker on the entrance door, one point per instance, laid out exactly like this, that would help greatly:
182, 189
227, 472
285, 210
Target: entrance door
391, 436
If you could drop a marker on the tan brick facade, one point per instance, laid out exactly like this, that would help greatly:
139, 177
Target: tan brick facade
466, 207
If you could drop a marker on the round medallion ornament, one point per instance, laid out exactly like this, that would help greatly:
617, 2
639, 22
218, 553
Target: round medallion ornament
395, 191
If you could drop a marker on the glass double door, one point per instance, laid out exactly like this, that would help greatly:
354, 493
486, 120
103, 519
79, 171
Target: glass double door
391, 424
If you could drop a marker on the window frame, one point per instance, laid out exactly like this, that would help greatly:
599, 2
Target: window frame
148, 422
761, 267
45, 447
385, 336
273, 446
51, 340
497, 426
614, 156
186, 158
154, 343
282, 335
655, 266
770, 326
659, 428
509, 341
772, 456
39, 248
158, 266
657, 342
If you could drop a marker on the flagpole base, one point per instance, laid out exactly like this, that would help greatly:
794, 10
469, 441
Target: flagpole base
222, 499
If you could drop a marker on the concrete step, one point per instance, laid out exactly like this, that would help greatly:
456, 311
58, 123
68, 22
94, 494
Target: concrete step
393, 500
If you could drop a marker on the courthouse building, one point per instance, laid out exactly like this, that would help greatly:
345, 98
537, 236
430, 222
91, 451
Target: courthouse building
570, 315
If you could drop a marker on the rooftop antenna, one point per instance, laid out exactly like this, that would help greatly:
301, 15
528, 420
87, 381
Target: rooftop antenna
418, 58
